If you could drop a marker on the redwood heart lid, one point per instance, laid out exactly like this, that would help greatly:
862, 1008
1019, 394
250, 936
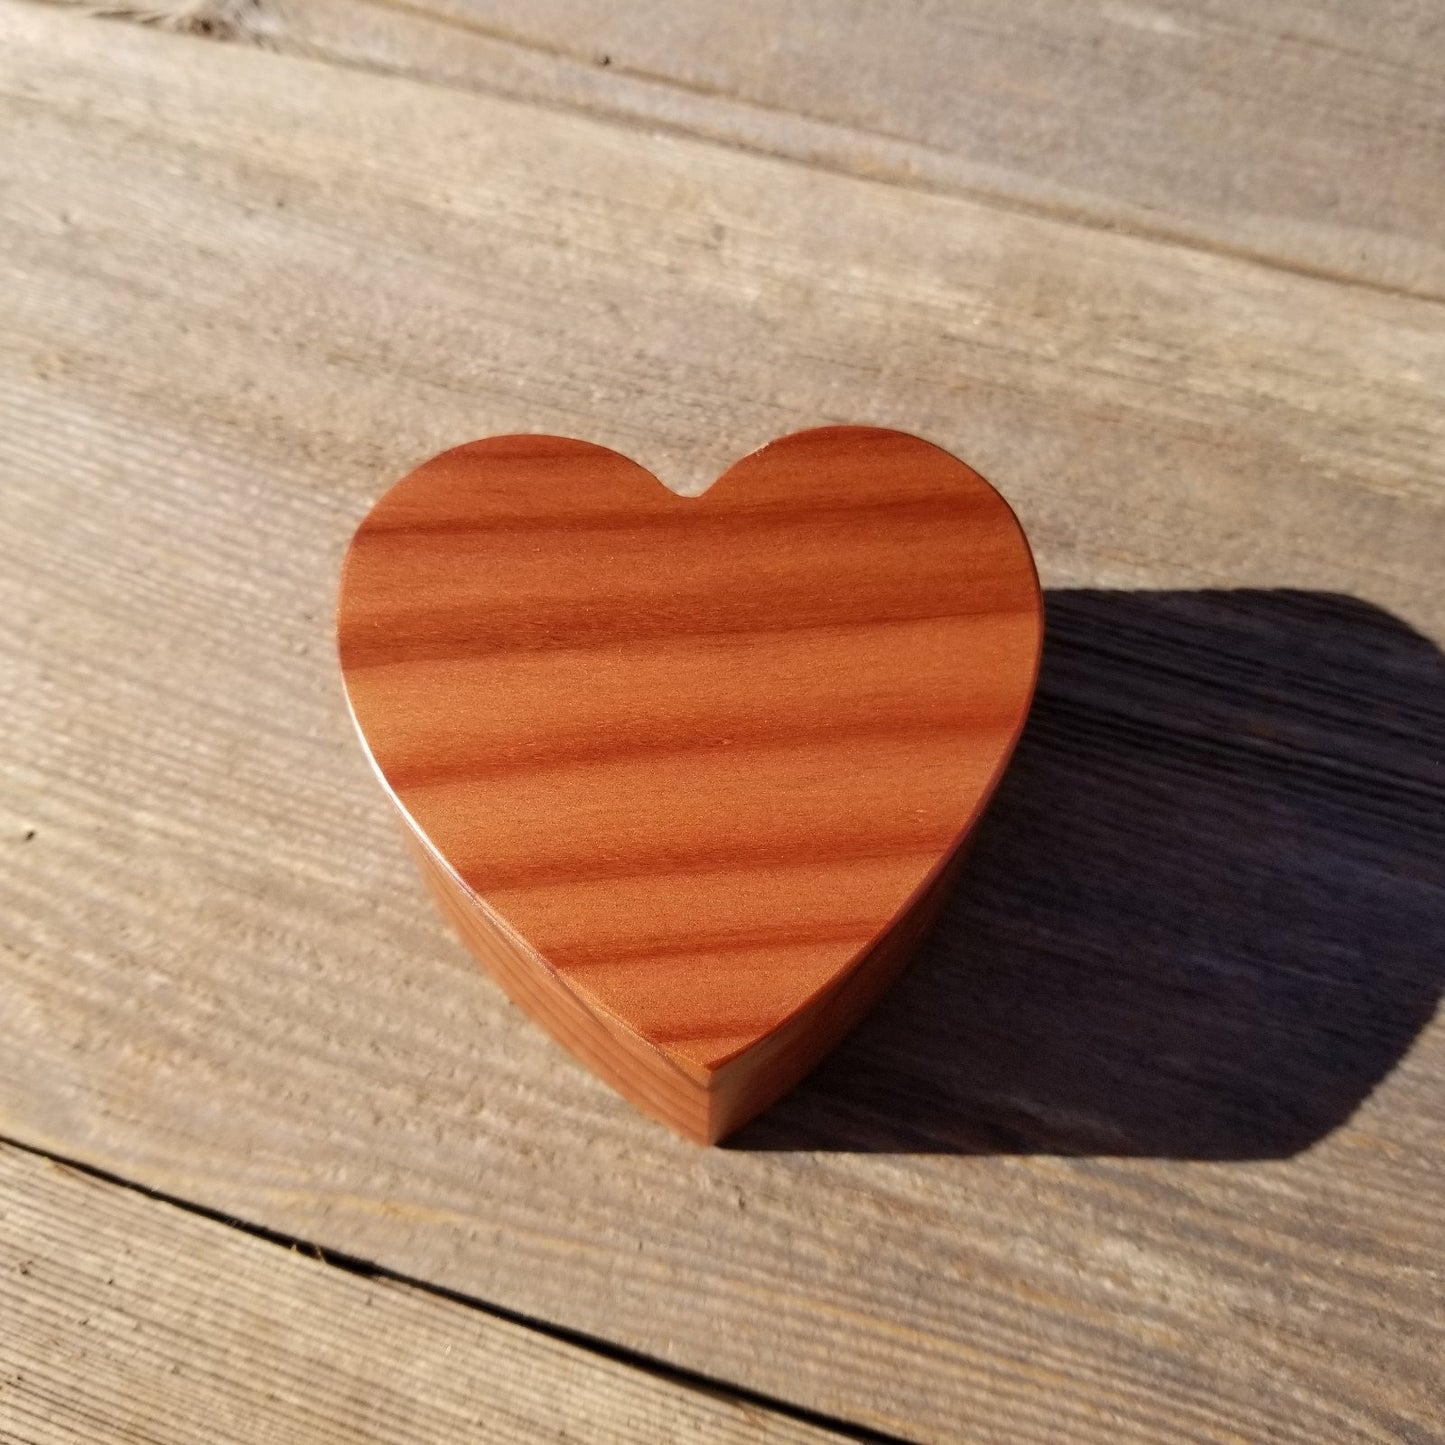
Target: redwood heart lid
689, 773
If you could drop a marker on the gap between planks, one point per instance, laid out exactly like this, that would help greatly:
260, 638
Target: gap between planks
169, 1292
974, 152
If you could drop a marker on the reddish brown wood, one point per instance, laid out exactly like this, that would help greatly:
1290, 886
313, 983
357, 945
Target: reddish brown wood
689, 775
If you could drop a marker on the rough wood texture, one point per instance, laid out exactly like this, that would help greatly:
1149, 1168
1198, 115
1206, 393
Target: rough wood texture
1307, 133
126, 1319
1148, 1146
687, 773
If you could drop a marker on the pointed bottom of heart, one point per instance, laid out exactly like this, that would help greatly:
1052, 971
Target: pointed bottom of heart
700, 1104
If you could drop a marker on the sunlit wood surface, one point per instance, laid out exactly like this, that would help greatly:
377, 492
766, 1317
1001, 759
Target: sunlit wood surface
1147, 1145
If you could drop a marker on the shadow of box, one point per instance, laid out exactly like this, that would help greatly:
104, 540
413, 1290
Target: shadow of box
1205, 915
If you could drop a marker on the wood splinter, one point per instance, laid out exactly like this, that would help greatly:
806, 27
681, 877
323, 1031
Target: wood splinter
691, 776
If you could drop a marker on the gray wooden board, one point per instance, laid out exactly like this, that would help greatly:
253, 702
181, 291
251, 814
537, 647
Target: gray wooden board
123, 1318
1147, 1147
1309, 133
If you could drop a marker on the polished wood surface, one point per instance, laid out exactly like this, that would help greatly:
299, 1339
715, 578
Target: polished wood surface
685, 771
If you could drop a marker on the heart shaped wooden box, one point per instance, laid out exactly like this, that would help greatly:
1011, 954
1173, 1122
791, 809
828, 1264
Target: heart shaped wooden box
691, 775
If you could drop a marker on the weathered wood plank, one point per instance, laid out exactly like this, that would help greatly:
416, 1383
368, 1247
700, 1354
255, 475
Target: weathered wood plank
123, 1318
243, 293
1312, 135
